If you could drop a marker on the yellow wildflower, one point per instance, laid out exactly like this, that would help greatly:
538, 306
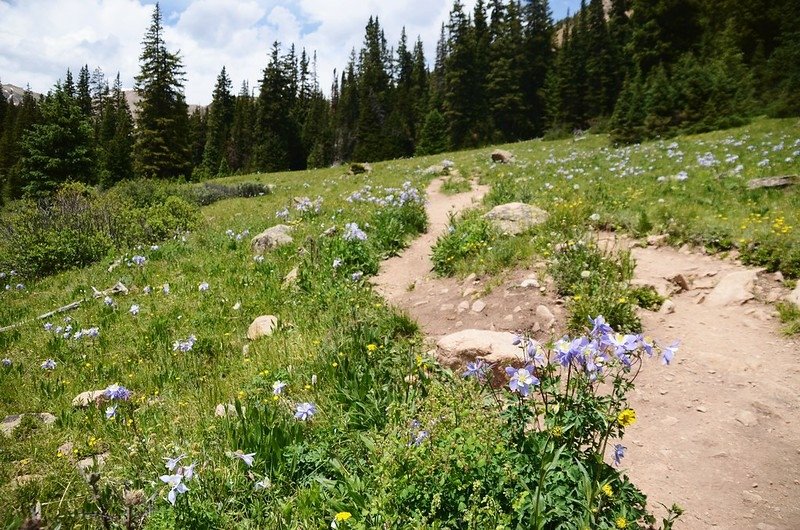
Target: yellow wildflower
621, 522
607, 490
372, 347
342, 516
627, 417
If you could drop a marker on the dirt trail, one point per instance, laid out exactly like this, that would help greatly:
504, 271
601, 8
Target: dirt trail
717, 430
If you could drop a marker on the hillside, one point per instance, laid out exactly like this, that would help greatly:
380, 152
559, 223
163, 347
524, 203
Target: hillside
339, 410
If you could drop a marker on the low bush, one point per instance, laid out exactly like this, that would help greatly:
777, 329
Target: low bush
468, 236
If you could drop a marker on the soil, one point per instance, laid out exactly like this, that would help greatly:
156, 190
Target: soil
717, 431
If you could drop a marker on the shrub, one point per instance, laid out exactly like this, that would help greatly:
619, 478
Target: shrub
467, 237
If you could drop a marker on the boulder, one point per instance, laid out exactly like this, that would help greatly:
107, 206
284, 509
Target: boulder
12, 422
734, 289
516, 217
478, 306
794, 296
772, 182
271, 238
545, 317
358, 169
458, 349
263, 326
504, 157
84, 399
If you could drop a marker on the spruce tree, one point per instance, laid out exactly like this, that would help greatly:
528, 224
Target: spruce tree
83, 91
162, 121
198, 131
115, 143
599, 63
459, 104
433, 137
373, 97
240, 149
509, 114
273, 125
538, 42
220, 121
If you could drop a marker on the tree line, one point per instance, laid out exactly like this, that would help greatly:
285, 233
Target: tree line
503, 71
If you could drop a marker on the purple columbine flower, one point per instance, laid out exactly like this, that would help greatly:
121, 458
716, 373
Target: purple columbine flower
48, 326
246, 458
118, 393
172, 462
669, 352
476, 369
49, 364
420, 437
304, 411
277, 387
353, 233
600, 326
139, 260
6, 362
111, 412
203, 287
534, 353
356, 276
187, 472
184, 345
619, 453
522, 379
134, 310
108, 301
178, 487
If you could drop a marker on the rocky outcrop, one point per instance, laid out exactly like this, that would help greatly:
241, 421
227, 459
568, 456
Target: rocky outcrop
516, 217
271, 238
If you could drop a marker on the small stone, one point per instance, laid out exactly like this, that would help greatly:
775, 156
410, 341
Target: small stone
85, 465
530, 283
747, 418
84, 399
66, 449
537, 327
478, 306
518, 309
469, 291
262, 326
701, 408
291, 277
463, 306
447, 307
750, 496
270, 238
509, 318
246, 350
11, 422
471, 278
420, 303
681, 281
516, 217
657, 240
668, 307
669, 421
545, 316
223, 410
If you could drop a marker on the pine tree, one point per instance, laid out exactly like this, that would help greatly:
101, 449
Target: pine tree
619, 34
83, 91
115, 141
459, 104
59, 149
198, 132
538, 43
19, 121
274, 132
433, 137
599, 63
663, 31
162, 122
220, 121
240, 149
373, 97
437, 77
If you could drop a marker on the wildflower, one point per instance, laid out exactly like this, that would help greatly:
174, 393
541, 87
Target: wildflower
49, 364
522, 379
600, 326
246, 458
418, 438
154, 247
356, 276
108, 301
258, 259
20, 287
111, 412
337, 263
476, 369
117, 392
6, 362
203, 287
282, 214
621, 523
626, 417
178, 487
172, 462
314, 379
184, 345
372, 347
187, 472
134, 310
669, 352
48, 326
607, 490
352, 232
148, 290
682, 176
340, 517
619, 453
139, 260
304, 411
165, 288
92, 332
277, 387
263, 484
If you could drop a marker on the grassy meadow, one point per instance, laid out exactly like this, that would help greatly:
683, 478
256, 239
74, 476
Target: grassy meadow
367, 432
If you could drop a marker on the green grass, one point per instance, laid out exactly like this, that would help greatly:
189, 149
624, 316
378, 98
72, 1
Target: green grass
371, 375
455, 185
790, 316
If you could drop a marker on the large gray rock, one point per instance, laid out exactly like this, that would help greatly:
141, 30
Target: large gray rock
502, 156
263, 326
734, 289
772, 182
458, 349
12, 422
516, 217
84, 399
270, 238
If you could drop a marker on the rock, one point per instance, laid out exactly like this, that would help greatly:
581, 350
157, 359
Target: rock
509, 318
263, 326
447, 307
518, 309
26, 479
794, 296
657, 240
502, 156
747, 418
463, 306
734, 289
471, 278
12, 422
436, 169
545, 316
330, 232
772, 182
457, 349
469, 291
681, 281
291, 277
84, 399
358, 169
270, 238
668, 307
66, 449
749, 496
478, 306
85, 465
530, 283
516, 217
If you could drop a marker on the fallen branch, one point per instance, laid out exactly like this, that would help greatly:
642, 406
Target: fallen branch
63, 309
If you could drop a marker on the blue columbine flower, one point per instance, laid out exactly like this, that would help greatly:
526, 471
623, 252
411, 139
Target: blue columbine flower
134, 310
139, 260
277, 387
669, 352
337, 263
522, 379
246, 458
48, 326
619, 453
356, 276
184, 345
111, 412
177, 486
118, 393
172, 462
420, 437
203, 287
600, 326
6, 362
353, 233
108, 301
49, 364
304, 411
476, 369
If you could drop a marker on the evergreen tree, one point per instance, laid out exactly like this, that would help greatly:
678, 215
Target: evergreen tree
219, 123
663, 31
58, 149
599, 63
538, 42
373, 97
198, 132
619, 34
437, 77
19, 120
346, 114
83, 91
509, 114
273, 123
433, 137
115, 143
162, 121
240, 149
459, 104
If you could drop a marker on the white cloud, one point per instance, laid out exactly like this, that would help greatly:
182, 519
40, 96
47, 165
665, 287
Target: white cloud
39, 39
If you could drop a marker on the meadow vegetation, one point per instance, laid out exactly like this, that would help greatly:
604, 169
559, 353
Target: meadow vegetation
339, 419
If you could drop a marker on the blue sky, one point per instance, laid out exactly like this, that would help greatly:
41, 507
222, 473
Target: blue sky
40, 39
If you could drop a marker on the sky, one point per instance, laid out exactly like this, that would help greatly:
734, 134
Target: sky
40, 39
